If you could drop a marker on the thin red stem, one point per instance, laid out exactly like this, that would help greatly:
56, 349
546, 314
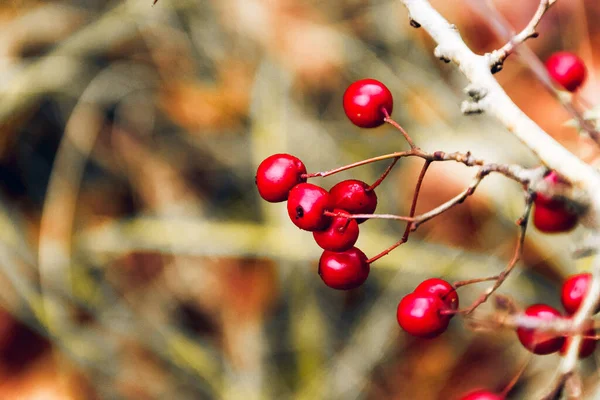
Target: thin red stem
398, 154
413, 208
396, 125
515, 379
368, 216
383, 176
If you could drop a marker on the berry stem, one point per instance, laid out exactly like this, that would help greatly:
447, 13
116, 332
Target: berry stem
413, 208
466, 282
501, 277
383, 176
515, 378
396, 125
396, 155
368, 216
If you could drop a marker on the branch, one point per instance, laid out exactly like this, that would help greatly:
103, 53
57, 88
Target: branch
499, 25
494, 100
497, 57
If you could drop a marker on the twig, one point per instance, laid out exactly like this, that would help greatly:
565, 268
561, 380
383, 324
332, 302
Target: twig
383, 176
501, 277
396, 125
497, 57
501, 27
413, 208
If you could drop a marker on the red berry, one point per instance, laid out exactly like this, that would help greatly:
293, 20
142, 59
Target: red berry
587, 346
419, 315
345, 270
341, 234
277, 175
552, 215
540, 342
354, 196
364, 101
482, 395
574, 290
440, 288
306, 206
566, 69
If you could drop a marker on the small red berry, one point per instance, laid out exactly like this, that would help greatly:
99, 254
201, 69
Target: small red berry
566, 69
552, 215
277, 175
354, 196
440, 288
306, 206
419, 315
364, 101
341, 234
588, 345
574, 290
540, 342
482, 395
345, 270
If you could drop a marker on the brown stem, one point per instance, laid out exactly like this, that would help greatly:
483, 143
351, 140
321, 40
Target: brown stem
522, 222
396, 125
383, 176
413, 208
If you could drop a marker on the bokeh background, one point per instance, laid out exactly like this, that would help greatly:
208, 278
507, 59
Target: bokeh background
137, 260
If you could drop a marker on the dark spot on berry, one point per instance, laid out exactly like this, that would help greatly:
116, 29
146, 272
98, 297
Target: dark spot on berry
299, 212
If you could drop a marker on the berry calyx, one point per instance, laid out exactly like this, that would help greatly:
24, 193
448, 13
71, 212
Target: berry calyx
540, 342
419, 315
277, 175
341, 234
588, 345
574, 290
439, 287
364, 102
344, 270
552, 215
482, 395
354, 196
306, 206
566, 69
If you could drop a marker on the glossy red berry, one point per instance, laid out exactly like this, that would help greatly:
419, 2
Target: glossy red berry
277, 175
364, 101
588, 345
482, 395
306, 206
354, 196
566, 69
540, 342
341, 234
419, 315
344, 270
552, 215
574, 290
440, 288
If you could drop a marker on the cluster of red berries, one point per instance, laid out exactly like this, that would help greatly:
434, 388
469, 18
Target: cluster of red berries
567, 69
426, 312
573, 292
328, 214
553, 215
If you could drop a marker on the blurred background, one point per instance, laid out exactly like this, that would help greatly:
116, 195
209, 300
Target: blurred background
137, 260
